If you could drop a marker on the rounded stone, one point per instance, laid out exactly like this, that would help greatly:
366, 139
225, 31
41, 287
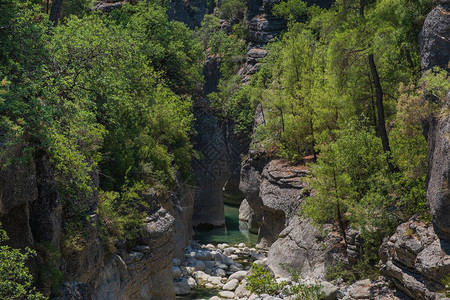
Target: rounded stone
182, 287
199, 265
239, 275
231, 285
226, 294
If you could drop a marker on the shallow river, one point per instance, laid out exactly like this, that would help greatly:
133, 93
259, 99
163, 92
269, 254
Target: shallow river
234, 232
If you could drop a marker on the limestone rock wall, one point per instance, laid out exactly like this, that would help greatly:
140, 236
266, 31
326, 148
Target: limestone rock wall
211, 169
416, 259
417, 256
30, 212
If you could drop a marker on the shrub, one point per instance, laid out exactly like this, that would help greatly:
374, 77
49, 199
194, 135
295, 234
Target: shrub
15, 278
260, 281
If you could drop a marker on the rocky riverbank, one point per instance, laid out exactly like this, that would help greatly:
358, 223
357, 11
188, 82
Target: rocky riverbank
225, 270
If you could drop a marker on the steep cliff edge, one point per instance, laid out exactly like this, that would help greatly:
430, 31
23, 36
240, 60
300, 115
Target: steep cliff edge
30, 211
417, 256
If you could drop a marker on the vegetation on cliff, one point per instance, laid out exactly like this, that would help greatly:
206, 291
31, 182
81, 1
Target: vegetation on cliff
108, 97
344, 86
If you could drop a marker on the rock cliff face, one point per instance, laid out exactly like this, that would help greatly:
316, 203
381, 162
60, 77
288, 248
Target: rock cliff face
273, 191
250, 183
281, 190
434, 38
417, 260
438, 177
145, 272
435, 51
417, 256
18, 188
237, 145
211, 170
263, 25
30, 212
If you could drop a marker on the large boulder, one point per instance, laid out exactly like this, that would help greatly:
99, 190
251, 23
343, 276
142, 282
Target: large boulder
416, 258
303, 247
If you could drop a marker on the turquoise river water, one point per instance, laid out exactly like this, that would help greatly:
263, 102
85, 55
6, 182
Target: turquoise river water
234, 231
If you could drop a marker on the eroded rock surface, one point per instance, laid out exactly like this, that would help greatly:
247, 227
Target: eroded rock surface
434, 38
211, 170
145, 272
417, 260
438, 177
281, 190
301, 246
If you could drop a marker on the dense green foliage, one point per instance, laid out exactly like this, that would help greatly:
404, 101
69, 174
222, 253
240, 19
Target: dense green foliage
108, 97
330, 87
15, 278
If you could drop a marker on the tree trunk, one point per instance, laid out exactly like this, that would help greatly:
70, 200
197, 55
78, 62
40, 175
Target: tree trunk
313, 142
380, 109
56, 11
339, 217
361, 8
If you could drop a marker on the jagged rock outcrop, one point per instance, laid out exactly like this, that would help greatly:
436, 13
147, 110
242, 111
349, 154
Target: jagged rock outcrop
211, 170
417, 260
252, 63
263, 25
